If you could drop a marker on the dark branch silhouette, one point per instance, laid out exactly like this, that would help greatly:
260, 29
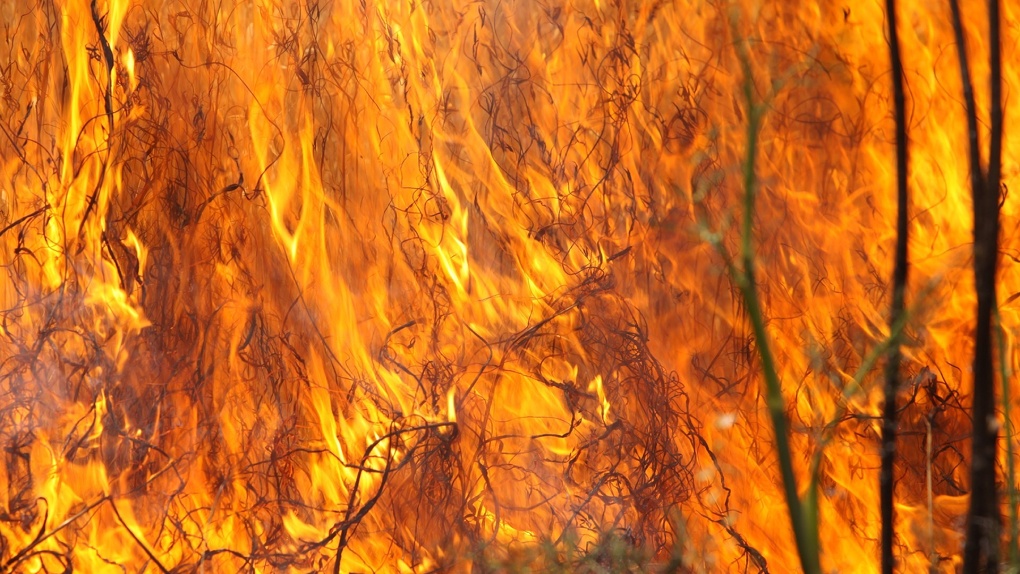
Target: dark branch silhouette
981, 549
892, 369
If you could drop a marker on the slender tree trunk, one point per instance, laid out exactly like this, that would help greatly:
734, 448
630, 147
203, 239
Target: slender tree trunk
892, 369
981, 550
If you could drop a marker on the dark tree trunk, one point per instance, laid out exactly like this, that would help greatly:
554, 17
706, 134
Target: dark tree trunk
892, 369
981, 550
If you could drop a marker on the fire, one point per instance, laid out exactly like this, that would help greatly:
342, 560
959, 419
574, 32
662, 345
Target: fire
426, 286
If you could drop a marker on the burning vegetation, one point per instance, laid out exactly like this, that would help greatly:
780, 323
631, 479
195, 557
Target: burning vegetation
493, 286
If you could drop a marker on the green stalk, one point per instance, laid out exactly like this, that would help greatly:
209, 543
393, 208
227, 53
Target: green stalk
803, 513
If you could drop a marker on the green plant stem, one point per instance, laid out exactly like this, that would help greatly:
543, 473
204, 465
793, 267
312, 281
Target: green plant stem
803, 514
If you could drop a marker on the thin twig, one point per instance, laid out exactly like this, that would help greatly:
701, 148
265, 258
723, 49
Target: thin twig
141, 543
1013, 565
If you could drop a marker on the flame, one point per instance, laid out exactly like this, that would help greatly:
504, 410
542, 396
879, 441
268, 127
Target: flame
251, 248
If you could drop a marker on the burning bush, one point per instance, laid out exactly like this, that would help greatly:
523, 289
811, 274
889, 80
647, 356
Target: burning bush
455, 286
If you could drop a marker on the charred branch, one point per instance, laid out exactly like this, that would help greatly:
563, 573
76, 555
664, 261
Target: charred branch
887, 484
981, 550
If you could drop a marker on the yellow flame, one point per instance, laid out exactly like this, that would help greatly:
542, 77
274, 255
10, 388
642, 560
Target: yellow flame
247, 258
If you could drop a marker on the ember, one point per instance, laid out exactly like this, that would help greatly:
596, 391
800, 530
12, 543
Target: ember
456, 286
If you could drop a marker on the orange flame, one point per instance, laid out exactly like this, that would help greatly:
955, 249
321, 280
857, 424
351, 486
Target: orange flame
411, 287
